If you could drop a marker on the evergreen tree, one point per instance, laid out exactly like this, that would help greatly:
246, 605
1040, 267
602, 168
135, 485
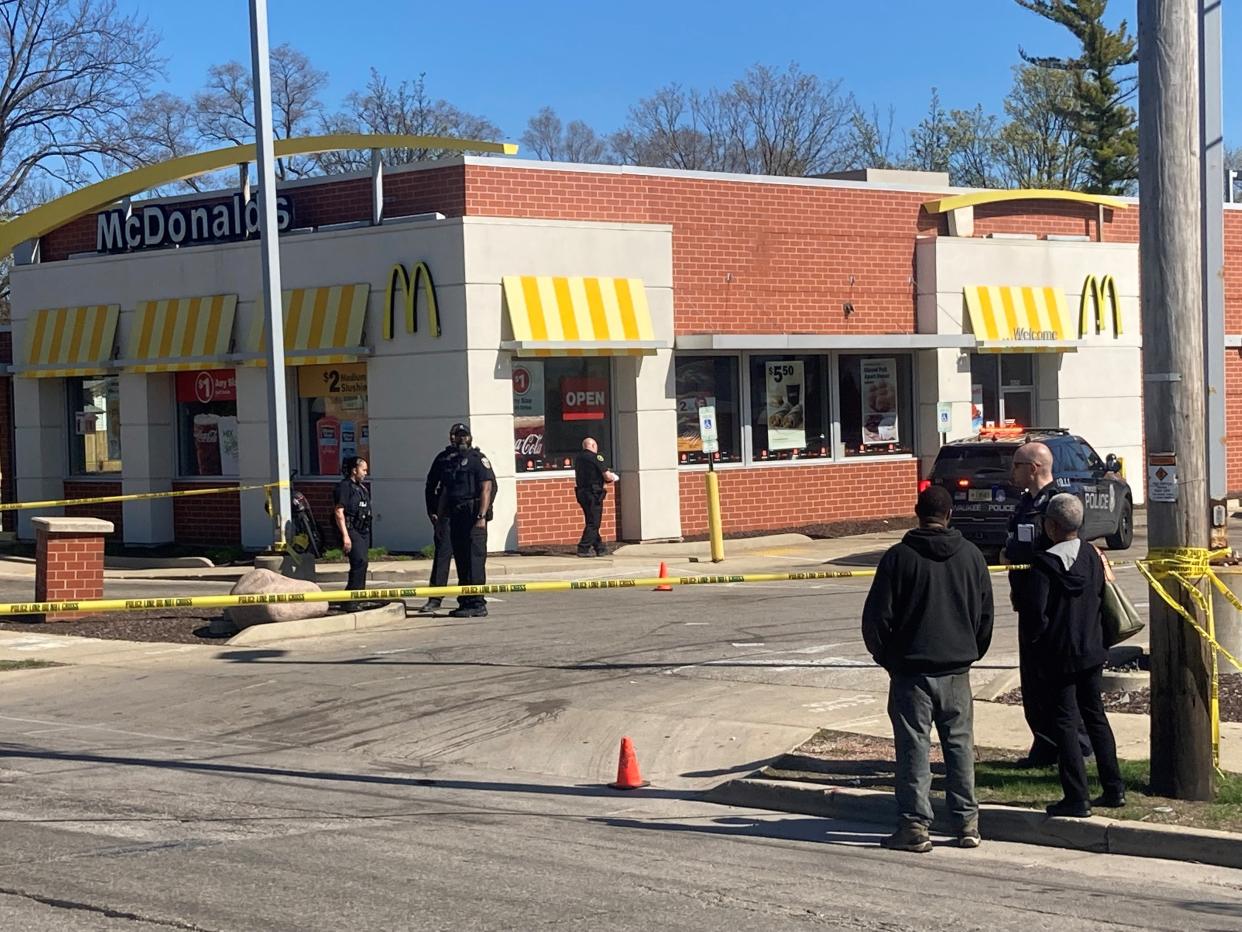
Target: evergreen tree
1107, 127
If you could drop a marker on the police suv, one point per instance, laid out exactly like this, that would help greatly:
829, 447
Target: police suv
976, 472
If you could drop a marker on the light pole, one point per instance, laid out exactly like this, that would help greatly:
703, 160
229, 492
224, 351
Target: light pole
269, 250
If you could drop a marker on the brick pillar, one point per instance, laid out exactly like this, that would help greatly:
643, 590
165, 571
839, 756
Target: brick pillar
69, 561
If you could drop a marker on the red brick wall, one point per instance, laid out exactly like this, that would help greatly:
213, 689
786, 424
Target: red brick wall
548, 513
207, 519
1233, 273
68, 567
331, 201
794, 496
767, 257
1233, 420
108, 511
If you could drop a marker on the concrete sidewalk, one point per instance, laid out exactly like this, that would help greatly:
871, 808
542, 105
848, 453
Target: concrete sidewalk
751, 554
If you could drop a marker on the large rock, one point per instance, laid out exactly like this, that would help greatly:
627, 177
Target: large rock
266, 582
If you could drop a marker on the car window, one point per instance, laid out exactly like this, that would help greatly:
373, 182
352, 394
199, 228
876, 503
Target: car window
1067, 457
971, 459
1094, 462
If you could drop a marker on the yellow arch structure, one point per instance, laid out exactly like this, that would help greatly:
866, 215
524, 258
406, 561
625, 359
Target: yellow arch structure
97, 196
945, 204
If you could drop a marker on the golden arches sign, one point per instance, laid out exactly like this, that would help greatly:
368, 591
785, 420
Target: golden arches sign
97, 196
400, 279
1099, 292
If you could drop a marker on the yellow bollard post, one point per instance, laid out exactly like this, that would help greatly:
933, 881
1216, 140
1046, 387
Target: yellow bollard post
713, 515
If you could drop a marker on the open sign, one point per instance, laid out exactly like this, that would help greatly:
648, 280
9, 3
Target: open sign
583, 399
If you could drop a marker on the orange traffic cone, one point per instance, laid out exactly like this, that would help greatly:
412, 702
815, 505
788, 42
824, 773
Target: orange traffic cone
663, 575
628, 777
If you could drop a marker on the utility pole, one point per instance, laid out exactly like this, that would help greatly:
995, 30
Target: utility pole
269, 249
1173, 382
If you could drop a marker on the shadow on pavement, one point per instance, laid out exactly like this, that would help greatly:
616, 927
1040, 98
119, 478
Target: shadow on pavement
249, 770
821, 831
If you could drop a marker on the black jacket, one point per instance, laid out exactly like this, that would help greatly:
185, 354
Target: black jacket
930, 607
435, 478
1065, 633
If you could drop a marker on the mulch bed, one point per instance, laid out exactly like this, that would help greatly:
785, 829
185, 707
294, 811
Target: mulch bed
176, 625
1139, 700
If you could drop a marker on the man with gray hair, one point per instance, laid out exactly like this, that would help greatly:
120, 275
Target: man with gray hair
1067, 652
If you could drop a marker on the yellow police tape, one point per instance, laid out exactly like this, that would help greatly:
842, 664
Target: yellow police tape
1187, 566
140, 496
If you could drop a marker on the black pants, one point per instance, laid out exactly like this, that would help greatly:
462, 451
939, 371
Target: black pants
1039, 709
469, 552
1077, 698
443, 554
592, 503
358, 544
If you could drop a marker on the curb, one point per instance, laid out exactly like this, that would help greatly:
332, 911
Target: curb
996, 823
381, 617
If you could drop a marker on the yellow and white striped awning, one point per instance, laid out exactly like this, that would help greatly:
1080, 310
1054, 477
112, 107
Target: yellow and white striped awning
574, 316
1019, 319
322, 325
69, 341
181, 333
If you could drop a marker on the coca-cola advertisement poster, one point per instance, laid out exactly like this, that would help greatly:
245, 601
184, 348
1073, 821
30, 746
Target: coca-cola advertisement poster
528, 409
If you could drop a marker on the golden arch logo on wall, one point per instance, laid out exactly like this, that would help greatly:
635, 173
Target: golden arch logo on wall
1100, 295
407, 282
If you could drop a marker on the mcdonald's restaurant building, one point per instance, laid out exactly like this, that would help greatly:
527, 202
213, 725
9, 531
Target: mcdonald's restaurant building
826, 319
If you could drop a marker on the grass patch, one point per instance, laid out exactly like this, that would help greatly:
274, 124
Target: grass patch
337, 555
840, 759
27, 664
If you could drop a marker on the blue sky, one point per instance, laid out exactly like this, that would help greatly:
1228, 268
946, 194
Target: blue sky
591, 61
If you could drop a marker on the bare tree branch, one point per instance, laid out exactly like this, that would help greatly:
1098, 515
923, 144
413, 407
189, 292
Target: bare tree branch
73, 72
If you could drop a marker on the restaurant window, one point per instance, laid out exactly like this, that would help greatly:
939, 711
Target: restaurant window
207, 423
557, 403
877, 405
789, 407
95, 424
332, 408
708, 380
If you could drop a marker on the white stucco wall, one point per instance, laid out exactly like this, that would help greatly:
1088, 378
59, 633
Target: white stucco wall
418, 385
1095, 391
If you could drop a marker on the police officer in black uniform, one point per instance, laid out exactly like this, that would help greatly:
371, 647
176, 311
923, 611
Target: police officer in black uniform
590, 478
352, 509
468, 488
431, 494
1031, 470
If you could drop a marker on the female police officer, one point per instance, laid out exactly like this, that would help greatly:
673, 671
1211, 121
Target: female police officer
352, 501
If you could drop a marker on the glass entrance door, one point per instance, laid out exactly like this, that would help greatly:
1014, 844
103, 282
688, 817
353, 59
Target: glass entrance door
1017, 407
1004, 385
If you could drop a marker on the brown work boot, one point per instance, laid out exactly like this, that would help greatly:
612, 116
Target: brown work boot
910, 837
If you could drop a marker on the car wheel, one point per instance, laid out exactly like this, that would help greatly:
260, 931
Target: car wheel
1124, 536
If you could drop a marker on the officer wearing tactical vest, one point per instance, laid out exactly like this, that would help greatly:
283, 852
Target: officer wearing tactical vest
590, 477
467, 490
352, 510
443, 542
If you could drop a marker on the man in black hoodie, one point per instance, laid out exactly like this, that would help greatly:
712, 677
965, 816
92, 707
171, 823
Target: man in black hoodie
927, 618
1066, 646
